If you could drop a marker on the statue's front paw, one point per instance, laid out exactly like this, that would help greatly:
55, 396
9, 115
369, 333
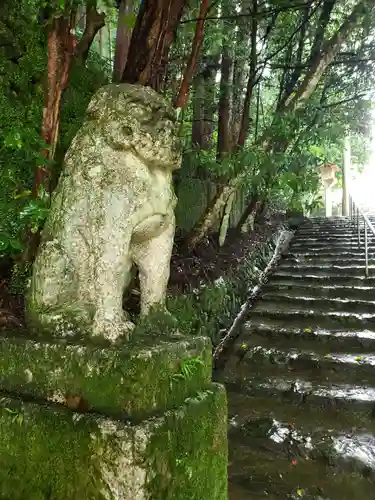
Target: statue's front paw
113, 330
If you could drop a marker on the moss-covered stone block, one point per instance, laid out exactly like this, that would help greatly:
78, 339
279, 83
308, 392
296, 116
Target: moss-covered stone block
49, 452
147, 376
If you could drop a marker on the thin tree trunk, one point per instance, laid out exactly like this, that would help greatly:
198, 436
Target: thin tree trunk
183, 94
197, 129
223, 140
94, 22
61, 43
153, 33
239, 75
245, 121
123, 36
324, 59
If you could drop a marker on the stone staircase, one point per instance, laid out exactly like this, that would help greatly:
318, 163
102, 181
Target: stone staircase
301, 377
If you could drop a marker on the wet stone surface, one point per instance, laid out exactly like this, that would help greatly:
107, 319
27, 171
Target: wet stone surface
301, 377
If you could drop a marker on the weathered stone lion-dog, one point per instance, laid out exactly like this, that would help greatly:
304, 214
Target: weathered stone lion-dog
113, 207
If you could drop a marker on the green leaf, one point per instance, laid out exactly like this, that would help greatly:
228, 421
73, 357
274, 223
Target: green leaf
130, 20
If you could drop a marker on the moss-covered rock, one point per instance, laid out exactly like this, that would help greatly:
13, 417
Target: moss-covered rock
144, 377
50, 453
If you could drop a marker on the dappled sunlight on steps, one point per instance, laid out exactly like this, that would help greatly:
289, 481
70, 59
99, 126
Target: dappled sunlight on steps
301, 376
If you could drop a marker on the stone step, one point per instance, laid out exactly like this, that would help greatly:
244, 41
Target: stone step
289, 464
343, 246
284, 300
298, 288
335, 259
329, 252
357, 401
338, 407
262, 314
318, 340
309, 365
326, 269
318, 232
351, 237
316, 279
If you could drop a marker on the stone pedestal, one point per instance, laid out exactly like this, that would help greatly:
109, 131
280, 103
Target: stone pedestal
142, 422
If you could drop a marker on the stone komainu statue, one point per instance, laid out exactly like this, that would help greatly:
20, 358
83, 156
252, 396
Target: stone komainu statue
113, 207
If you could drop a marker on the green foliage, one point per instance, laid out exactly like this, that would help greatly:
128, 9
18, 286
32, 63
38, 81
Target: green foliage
22, 76
188, 368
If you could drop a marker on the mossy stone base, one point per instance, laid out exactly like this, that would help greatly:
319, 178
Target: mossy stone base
133, 381
49, 452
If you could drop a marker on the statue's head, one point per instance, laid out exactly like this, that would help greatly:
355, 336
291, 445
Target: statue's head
138, 119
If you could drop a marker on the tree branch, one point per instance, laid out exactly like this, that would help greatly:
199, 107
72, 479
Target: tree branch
94, 22
344, 101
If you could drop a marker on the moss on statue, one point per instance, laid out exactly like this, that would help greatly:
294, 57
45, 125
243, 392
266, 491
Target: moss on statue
191, 462
135, 380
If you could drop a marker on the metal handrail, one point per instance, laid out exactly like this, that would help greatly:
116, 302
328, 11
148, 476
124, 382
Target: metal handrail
357, 214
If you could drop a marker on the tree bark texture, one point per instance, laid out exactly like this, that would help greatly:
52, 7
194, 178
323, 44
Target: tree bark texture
183, 94
153, 33
61, 45
245, 121
225, 100
123, 37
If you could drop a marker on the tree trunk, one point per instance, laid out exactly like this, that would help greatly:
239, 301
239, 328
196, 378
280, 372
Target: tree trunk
197, 130
305, 90
61, 43
183, 94
239, 74
247, 212
245, 121
223, 140
123, 36
153, 34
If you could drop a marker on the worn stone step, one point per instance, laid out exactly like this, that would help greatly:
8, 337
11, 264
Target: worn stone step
282, 468
300, 289
284, 300
329, 252
334, 259
305, 246
324, 396
310, 318
349, 449
323, 280
305, 408
309, 365
330, 233
351, 237
318, 340
348, 228
326, 269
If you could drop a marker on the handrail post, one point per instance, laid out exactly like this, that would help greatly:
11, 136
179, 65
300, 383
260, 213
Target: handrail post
358, 228
366, 251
